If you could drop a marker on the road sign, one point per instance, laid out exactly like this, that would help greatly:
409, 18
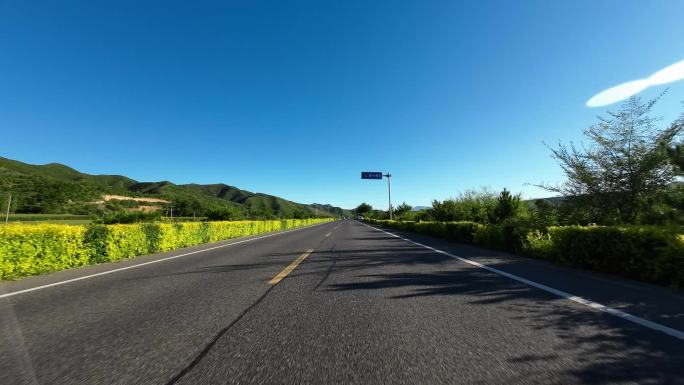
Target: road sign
371, 175
379, 175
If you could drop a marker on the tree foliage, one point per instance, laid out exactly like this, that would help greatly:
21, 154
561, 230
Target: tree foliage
507, 207
471, 205
402, 209
625, 163
363, 208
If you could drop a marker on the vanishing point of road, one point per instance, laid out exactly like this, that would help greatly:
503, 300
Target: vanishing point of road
338, 303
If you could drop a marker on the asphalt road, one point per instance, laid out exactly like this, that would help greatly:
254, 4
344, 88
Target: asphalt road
361, 307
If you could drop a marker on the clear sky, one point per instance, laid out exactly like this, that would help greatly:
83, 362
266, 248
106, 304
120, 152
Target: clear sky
296, 98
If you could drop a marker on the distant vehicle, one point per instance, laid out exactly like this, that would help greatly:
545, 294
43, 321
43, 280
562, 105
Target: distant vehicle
359, 217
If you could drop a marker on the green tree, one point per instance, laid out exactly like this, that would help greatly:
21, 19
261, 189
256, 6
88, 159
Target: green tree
402, 209
472, 205
676, 154
363, 208
626, 162
543, 214
507, 207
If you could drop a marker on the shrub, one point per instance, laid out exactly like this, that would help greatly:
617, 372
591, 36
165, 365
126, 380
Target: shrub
129, 217
538, 244
125, 241
96, 237
463, 231
647, 253
508, 235
35, 249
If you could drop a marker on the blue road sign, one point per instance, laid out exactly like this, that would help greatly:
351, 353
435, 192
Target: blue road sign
371, 175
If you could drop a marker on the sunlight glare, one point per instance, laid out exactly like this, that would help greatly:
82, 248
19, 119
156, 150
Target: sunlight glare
668, 74
620, 92
617, 93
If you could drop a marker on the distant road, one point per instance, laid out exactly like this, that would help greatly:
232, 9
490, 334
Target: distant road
338, 303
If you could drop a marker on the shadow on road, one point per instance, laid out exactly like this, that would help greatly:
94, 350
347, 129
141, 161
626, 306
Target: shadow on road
609, 350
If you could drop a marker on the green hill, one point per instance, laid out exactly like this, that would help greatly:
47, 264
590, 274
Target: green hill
55, 189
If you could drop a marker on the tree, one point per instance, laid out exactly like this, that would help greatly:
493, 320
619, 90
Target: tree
221, 214
676, 154
262, 211
625, 163
363, 208
402, 209
543, 214
506, 207
472, 205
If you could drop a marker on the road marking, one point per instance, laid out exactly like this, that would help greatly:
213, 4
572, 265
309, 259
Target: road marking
290, 267
594, 305
327, 235
148, 263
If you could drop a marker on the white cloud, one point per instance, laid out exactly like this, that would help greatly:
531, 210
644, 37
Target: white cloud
612, 95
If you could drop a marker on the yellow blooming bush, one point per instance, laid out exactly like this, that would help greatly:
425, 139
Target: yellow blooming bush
36, 249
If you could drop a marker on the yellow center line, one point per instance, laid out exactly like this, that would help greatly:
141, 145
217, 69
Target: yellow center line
290, 267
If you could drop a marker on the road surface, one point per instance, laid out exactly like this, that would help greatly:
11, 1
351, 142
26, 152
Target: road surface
338, 303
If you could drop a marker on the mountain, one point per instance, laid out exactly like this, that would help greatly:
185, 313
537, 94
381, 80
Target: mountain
55, 188
553, 201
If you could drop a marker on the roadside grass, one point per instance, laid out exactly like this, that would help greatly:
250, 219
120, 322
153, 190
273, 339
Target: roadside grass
59, 219
71, 222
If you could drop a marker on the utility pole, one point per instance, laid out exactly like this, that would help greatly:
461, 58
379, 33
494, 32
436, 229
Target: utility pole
389, 192
9, 202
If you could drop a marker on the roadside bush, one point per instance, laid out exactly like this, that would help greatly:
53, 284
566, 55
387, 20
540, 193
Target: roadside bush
36, 249
125, 241
96, 237
648, 253
538, 244
128, 217
455, 231
508, 235
462, 231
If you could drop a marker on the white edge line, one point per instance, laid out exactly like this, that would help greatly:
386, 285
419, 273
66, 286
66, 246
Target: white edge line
594, 305
150, 262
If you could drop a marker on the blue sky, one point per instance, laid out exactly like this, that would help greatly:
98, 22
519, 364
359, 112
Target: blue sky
295, 98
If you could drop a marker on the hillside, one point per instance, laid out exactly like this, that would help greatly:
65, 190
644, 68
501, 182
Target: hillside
55, 188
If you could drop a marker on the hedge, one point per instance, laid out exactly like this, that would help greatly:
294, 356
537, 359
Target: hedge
37, 249
647, 253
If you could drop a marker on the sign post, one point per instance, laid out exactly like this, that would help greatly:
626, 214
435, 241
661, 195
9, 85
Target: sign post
389, 193
379, 175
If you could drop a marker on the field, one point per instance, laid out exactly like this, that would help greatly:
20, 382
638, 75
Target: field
59, 219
